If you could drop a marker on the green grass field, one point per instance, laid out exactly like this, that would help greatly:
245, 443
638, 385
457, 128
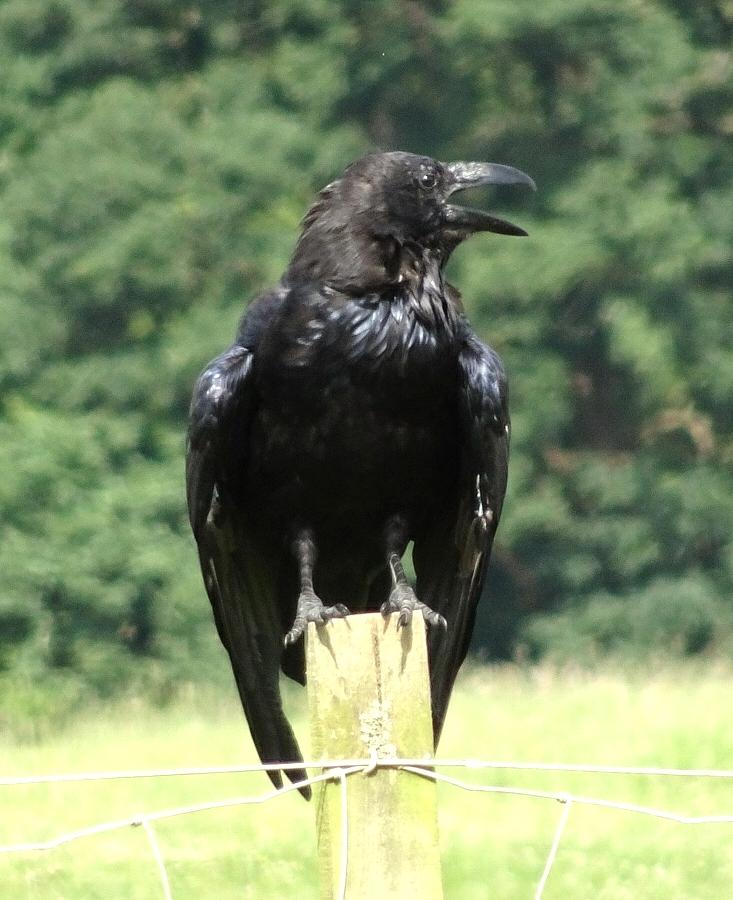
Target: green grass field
492, 846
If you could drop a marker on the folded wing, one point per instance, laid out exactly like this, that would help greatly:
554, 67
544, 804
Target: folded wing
452, 555
240, 577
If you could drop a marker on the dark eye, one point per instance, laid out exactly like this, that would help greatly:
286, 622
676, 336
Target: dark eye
428, 179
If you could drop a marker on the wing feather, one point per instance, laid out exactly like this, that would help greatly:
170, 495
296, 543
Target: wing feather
452, 555
238, 571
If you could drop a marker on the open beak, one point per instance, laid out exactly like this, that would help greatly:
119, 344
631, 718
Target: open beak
473, 174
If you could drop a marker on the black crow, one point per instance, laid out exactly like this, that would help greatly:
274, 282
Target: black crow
355, 412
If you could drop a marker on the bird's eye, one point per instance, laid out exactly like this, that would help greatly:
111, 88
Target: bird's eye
428, 179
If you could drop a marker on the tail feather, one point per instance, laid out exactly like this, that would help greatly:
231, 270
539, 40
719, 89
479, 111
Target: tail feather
242, 587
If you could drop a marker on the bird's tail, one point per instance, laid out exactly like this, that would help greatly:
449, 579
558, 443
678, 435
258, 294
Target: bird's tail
242, 585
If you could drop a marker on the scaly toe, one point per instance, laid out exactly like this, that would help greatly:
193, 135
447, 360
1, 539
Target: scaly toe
435, 620
405, 603
295, 632
401, 600
386, 609
337, 611
311, 609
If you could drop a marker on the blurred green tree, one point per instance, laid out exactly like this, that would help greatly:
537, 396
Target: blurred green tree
155, 158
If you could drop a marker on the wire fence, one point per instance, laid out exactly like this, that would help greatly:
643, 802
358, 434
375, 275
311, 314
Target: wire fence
340, 770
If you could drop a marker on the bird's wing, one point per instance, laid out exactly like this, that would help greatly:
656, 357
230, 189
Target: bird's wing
452, 554
240, 577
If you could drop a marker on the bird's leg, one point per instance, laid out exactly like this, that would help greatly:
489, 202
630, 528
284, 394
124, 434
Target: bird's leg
310, 607
402, 598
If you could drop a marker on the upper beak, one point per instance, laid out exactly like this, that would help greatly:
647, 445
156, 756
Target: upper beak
472, 174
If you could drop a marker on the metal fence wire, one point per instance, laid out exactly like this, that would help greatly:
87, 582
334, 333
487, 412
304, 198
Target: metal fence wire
340, 770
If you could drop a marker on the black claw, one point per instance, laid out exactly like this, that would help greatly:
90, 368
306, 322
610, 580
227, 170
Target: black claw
296, 632
292, 636
435, 620
432, 618
402, 600
311, 609
337, 611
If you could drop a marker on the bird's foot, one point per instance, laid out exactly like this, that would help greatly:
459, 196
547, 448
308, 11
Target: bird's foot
403, 600
311, 609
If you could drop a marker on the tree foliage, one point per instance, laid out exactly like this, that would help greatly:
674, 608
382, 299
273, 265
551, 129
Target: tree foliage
155, 160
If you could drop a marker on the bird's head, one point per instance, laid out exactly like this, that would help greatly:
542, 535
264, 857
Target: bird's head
353, 233
413, 195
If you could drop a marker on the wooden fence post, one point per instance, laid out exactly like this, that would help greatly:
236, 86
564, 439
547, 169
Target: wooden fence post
368, 691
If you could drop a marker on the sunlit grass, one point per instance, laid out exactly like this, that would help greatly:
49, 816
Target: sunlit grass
491, 845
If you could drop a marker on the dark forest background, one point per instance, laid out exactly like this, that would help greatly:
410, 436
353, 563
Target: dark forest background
155, 160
